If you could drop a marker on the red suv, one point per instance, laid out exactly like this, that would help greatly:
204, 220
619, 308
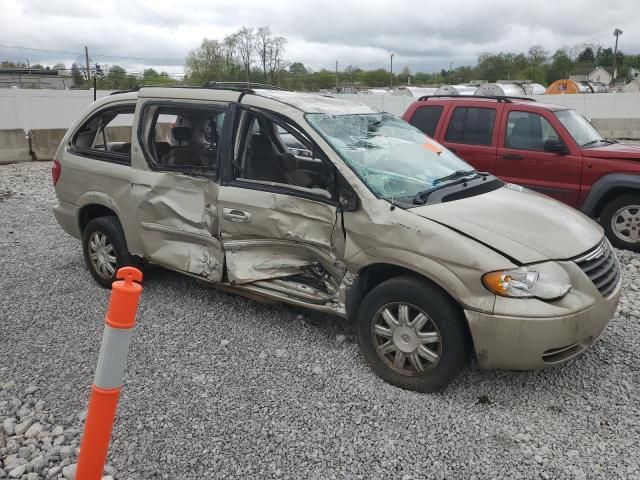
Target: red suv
548, 148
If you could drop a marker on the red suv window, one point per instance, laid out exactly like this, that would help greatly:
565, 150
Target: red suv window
471, 125
426, 119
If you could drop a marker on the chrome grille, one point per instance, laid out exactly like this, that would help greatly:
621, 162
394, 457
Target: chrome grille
601, 266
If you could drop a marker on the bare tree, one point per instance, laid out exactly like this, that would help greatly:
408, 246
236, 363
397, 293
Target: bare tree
264, 45
276, 56
246, 46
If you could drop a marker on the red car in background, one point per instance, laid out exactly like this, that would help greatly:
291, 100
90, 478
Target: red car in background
548, 148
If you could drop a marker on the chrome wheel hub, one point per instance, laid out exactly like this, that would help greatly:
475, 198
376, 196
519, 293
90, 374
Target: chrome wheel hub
406, 338
625, 223
102, 255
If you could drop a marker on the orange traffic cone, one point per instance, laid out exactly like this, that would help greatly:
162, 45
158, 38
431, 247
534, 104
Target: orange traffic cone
105, 391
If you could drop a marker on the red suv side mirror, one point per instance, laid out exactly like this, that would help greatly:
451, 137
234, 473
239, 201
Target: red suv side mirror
555, 146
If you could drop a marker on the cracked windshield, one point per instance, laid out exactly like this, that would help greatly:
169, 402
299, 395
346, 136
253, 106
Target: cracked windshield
393, 158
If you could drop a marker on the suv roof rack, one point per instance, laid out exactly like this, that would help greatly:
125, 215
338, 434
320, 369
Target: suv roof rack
499, 98
244, 87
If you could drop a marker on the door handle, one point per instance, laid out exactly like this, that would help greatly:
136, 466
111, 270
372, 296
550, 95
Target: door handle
235, 215
451, 149
511, 156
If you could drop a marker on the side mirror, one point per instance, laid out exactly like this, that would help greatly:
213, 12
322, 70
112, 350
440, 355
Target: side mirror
555, 146
347, 197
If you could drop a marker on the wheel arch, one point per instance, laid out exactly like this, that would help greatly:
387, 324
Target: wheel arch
92, 211
606, 189
374, 274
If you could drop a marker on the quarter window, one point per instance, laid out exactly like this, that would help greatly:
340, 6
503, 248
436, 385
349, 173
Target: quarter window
528, 131
106, 135
471, 125
426, 119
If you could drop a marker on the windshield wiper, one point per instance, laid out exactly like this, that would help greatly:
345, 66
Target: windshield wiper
453, 176
459, 176
592, 142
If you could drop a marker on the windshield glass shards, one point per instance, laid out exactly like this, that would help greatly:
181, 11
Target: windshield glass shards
394, 159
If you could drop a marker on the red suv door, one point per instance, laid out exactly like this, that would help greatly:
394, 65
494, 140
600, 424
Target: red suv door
522, 157
471, 134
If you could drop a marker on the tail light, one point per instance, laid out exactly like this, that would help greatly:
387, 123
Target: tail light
56, 169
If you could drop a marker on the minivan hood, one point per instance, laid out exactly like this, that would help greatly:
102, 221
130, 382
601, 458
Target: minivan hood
614, 150
524, 225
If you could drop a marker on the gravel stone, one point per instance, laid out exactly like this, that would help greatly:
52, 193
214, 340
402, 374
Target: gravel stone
190, 409
30, 390
33, 431
9, 426
17, 472
69, 472
22, 427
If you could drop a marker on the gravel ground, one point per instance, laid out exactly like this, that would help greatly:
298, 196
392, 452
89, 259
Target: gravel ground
221, 386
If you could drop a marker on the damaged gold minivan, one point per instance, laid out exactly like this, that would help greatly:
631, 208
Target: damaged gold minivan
334, 206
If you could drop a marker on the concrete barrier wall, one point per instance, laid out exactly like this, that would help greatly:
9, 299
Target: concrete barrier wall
44, 142
14, 146
48, 113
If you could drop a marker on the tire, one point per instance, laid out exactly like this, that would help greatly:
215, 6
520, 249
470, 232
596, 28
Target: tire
109, 229
620, 219
443, 318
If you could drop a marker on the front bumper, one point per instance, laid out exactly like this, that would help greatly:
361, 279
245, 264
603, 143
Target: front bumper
525, 343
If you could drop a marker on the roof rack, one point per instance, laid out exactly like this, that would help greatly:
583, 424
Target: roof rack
244, 87
499, 98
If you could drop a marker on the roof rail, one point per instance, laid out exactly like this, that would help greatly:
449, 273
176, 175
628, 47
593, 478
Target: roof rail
129, 90
242, 86
499, 98
234, 86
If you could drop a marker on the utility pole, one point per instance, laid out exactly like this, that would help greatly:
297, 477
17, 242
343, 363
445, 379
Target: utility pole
86, 56
616, 33
278, 67
336, 76
449, 79
391, 73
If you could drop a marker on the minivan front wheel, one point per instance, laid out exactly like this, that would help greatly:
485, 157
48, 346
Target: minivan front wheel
105, 249
412, 334
620, 219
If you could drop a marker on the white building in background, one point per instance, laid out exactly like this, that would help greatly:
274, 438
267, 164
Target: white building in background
597, 75
34, 78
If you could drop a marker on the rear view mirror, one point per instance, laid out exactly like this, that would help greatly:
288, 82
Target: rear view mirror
555, 146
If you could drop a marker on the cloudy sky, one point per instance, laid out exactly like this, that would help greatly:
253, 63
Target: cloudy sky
423, 35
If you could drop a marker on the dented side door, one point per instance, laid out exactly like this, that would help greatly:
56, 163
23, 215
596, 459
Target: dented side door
278, 237
175, 213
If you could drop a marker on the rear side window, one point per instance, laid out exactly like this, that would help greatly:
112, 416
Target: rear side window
183, 137
426, 119
106, 135
471, 125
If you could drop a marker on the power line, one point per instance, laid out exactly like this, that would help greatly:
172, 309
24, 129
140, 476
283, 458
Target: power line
65, 52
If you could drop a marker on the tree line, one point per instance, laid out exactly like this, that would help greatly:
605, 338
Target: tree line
258, 55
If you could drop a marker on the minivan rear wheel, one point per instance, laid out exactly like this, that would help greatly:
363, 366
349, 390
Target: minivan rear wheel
105, 249
620, 219
412, 334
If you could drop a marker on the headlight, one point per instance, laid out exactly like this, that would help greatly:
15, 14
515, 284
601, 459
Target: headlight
524, 283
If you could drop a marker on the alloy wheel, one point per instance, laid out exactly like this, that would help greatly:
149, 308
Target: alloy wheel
625, 223
406, 338
102, 255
